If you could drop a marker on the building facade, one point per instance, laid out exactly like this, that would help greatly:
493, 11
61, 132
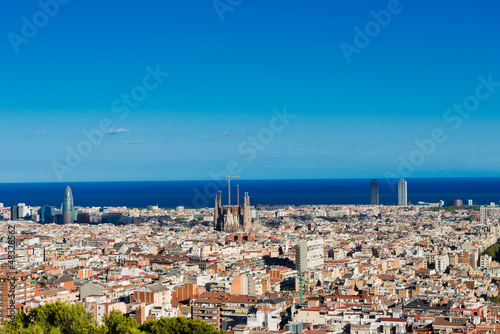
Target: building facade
233, 218
442, 262
47, 214
402, 193
374, 192
14, 212
68, 216
15, 289
309, 255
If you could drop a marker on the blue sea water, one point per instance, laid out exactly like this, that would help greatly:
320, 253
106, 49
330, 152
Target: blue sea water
271, 192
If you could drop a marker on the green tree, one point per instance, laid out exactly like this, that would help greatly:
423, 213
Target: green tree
493, 299
117, 323
58, 318
179, 325
54, 318
494, 251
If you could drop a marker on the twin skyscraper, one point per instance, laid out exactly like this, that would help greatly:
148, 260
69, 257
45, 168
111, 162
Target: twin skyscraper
374, 192
402, 193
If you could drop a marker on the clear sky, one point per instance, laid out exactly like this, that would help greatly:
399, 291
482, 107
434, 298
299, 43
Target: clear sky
230, 64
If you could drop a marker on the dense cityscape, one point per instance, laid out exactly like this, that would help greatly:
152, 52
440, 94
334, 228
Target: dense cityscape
359, 269
249, 167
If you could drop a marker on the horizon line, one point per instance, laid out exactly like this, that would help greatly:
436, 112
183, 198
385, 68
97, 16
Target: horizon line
257, 179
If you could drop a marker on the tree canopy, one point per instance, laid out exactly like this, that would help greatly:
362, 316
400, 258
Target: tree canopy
59, 318
178, 325
54, 319
493, 251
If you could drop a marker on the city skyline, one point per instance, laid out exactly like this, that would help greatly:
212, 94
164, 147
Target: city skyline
276, 278
194, 194
242, 167
202, 86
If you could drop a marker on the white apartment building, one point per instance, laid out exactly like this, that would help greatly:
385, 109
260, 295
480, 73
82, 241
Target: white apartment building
442, 262
485, 260
309, 254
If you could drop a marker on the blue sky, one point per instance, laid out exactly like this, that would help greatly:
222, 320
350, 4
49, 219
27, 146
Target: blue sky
351, 119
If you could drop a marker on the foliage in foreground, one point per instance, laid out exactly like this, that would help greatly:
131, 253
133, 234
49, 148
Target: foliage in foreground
59, 318
494, 251
493, 299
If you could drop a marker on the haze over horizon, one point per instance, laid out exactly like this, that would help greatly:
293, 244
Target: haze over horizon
218, 91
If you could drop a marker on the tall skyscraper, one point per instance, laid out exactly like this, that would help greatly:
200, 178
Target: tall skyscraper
68, 206
374, 192
14, 212
47, 214
402, 193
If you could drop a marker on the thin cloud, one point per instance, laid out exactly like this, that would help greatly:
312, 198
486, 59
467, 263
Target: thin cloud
231, 133
40, 132
132, 142
114, 131
109, 132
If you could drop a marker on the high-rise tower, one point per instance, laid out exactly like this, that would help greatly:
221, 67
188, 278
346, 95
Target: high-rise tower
309, 254
68, 206
47, 214
374, 192
402, 193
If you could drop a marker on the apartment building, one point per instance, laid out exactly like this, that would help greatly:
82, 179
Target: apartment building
207, 307
23, 286
309, 254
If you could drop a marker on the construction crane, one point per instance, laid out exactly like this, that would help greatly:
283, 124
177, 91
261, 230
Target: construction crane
228, 178
301, 288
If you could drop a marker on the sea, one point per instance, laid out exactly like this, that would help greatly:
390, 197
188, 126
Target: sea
196, 194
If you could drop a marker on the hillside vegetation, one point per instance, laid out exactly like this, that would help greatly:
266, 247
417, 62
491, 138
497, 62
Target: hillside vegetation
494, 251
58, 318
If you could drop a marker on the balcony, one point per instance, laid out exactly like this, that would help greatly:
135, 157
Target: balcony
204, 316
236, 313
229, 307
202, 312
